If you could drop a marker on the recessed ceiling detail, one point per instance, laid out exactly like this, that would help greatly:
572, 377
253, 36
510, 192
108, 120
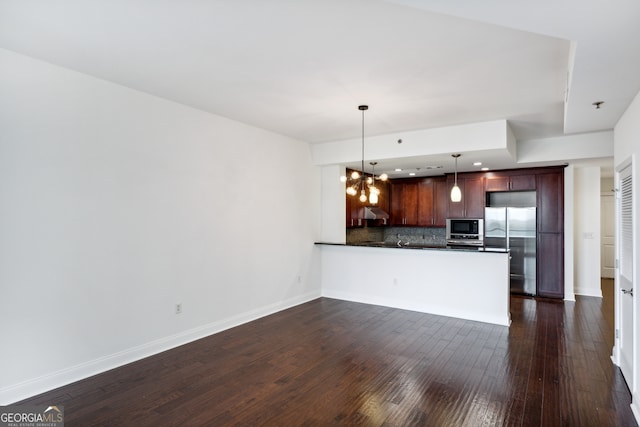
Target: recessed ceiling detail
222, 57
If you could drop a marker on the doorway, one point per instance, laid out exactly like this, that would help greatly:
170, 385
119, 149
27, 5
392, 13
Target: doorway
607, 229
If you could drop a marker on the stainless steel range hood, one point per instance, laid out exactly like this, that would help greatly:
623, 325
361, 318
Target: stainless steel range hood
373, 212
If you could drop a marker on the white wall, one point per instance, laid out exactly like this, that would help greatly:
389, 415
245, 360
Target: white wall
116, 205
586, 226
334, 205
627, 148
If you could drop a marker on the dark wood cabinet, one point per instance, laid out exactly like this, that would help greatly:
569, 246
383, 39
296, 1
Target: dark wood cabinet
425, 203
496, 183
473, 200
550, 202
509, 182
404, 203
414, 202
349, 211
550, 265
550, 213
522, 182
474, 192
441, 197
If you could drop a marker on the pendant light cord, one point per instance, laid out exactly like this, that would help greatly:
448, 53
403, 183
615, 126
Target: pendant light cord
456, 180
363, 108
455, 156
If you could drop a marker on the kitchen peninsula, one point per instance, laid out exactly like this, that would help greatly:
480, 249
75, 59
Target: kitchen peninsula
470, 283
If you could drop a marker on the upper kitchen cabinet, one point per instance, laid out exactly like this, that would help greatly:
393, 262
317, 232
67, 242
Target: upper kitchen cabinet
473, 200
404, 202
414, 202
426, 191
509, 182
550, 203
441, 196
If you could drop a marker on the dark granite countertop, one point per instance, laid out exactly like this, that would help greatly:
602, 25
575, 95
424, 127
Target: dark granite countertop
418, 246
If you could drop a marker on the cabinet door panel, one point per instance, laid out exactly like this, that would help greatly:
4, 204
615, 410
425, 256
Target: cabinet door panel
522, 182
550, 195
425, 203
441, 203
551, 265
410, 203
474, 195
497, 183
396, 214
348, 209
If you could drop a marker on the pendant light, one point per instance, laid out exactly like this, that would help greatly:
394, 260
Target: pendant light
456, 194
360, 182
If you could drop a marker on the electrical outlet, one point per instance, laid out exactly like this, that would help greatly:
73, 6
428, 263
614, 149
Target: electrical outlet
179, 308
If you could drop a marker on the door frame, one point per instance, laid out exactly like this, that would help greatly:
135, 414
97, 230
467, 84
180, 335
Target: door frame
632, 381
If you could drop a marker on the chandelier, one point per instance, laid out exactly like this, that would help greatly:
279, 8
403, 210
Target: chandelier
359, 182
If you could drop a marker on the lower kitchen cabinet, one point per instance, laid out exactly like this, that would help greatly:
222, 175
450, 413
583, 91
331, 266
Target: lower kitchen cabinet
550, 265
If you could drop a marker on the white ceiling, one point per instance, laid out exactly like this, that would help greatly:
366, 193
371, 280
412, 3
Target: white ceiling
301, 67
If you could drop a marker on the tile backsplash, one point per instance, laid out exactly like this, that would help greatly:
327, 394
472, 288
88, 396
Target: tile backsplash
415, 235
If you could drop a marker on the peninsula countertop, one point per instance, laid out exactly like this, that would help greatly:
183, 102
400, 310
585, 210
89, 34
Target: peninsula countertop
429, 278
418, 246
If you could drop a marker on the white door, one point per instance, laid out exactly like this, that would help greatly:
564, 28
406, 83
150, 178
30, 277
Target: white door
608, 236
624, 283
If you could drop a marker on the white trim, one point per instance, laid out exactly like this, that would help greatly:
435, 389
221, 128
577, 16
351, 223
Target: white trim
413, 305
635, 407
588, 293
32, 387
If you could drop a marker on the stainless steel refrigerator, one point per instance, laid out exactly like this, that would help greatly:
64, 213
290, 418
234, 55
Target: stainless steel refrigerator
515, 229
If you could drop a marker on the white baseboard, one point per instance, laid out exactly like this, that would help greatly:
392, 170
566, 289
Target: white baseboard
419, 307
588, 292
635, 408
35, 386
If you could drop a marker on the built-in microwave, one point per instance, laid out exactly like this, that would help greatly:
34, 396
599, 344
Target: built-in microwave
465, 231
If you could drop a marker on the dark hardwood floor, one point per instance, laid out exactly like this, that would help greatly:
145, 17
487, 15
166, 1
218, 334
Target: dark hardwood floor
331, 362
